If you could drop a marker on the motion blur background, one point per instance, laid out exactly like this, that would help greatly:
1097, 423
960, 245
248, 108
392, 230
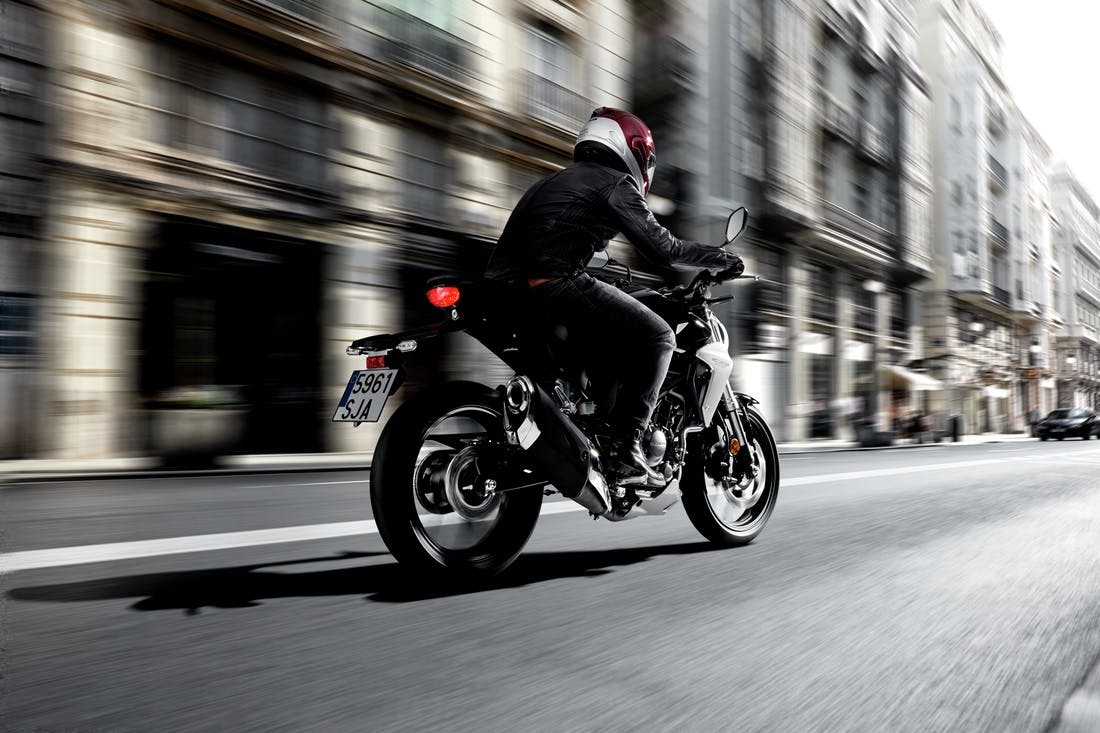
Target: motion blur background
202, 203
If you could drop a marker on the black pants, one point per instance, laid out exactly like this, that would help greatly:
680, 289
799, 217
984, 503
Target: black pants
617, 335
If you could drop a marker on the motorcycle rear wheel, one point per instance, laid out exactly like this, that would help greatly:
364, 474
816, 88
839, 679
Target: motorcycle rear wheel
428, 497
712, 508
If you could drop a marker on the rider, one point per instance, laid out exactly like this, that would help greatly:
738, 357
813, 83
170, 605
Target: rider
554, 230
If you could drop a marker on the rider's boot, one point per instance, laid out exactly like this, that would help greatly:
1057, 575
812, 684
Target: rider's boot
627, 458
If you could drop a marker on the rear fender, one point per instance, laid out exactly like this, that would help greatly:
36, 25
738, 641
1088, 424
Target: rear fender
398, 344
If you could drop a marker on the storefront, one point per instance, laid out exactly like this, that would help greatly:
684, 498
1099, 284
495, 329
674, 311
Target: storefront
231, 324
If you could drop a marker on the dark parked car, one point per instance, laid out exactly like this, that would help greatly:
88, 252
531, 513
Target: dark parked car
1068, 423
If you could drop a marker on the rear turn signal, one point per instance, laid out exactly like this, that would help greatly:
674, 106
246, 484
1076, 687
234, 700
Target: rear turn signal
443, 296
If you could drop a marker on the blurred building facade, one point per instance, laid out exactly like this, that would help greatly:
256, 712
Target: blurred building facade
990, 316
1077, 291
22, 199
238, 189
202, 203
815, 116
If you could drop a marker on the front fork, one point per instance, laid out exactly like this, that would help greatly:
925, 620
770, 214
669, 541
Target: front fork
733, 410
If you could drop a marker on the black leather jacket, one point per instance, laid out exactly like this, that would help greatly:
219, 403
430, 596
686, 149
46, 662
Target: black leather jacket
565, 217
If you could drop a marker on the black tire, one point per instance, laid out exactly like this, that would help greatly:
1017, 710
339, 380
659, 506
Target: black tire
1043, 438
704, 514
398, 507
1061, 438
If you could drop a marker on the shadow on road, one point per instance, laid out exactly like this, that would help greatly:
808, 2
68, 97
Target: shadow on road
247, 585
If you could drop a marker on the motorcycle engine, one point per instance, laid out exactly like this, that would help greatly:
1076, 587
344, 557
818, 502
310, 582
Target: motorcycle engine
656, 445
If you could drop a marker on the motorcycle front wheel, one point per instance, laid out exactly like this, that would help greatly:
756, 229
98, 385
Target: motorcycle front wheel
435, 510
728, 512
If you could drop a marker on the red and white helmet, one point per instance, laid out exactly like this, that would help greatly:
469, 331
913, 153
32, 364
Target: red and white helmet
627, 137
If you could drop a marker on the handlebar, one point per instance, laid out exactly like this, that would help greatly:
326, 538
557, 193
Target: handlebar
695, 289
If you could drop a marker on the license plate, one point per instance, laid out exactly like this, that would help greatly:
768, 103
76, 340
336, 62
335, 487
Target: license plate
365, 395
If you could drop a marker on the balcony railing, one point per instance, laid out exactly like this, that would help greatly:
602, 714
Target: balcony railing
899, 327
995, 119
874, 235
553, 103
973, 265
998, 176
873, 143
837, 119
770, 298
405, 39
822, 307
998, 233
312, 9
865, 317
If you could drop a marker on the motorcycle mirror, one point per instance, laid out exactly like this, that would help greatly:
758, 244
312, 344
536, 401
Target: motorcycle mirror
736, 224
600, 260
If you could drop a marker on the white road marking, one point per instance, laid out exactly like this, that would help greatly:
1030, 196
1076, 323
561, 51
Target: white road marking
62, 556
872, 473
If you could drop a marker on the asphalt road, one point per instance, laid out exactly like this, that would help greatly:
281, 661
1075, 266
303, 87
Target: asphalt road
949, 588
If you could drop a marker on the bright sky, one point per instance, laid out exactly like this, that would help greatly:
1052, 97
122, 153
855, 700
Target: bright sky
1052, 67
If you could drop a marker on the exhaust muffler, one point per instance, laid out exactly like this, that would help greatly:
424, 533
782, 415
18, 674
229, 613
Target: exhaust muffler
553, 445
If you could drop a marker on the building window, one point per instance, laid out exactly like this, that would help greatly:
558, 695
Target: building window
274, 126
861, 193
440, 13
865, 309
859, 99
899, 317
15, 324
425, 34
426, 174
551, 68
826, 170
822, 285
311, 9
771, 296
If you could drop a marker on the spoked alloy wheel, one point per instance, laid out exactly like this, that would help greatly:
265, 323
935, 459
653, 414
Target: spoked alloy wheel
729, 512
435, 508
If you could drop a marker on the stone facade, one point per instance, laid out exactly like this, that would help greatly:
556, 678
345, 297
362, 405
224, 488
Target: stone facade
815, 117
991, 300
238, 189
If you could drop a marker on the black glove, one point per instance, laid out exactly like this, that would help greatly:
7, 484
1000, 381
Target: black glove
734, 267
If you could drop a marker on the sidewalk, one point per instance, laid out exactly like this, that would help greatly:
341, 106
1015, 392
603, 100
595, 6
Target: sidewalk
39, 469
818, 446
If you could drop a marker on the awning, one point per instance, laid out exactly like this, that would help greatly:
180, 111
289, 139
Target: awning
898, 377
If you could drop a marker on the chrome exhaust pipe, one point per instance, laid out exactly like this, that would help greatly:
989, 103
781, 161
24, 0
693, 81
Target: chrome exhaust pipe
594, 496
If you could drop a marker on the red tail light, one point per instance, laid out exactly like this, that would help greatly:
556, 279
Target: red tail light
443, 296
376, 362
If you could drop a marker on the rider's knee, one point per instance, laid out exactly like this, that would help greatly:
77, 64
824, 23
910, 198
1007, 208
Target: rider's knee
664, 338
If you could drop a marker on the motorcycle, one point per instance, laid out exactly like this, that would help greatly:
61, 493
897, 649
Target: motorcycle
460, 470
